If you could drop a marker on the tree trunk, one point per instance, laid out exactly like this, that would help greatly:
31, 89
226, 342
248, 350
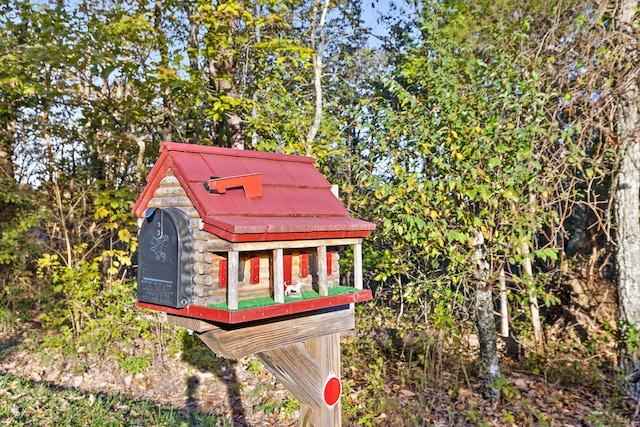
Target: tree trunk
8, 207
536, 323
236, 132
504, 305
194, 122
167, 102
485, 321
254, 108
6, 152
193, 40
317, 44
231, 130
627, 195
222, 58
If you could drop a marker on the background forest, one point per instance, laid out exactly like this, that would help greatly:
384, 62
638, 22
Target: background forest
494, 143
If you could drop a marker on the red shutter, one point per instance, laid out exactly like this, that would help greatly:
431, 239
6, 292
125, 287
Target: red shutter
304, 265
329, 264
287, 269
222, 274
255, 270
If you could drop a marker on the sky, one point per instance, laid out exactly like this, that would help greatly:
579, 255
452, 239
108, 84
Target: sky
371, 11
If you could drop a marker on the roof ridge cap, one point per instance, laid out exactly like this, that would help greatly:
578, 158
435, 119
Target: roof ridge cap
233, 152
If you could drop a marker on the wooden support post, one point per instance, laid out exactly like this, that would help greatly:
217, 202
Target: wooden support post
232, 279
305, 370
278, 276
326, 351
303, 352
297, 370
357, 266
322, 271
234, 342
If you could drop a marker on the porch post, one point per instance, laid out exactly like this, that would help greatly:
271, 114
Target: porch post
232, 279
357, 266
323, 288
278, 276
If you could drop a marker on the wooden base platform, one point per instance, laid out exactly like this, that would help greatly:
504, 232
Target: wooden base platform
261, 313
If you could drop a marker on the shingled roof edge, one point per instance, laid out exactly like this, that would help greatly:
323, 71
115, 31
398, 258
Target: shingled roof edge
232, 237
161, 166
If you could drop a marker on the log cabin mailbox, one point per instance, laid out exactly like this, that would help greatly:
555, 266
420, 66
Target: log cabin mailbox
242, 248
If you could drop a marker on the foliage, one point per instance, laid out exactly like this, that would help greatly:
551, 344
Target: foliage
463, 147
90, 292
422, 377
134, 364
19, 248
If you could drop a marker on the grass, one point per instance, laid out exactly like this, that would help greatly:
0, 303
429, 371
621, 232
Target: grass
28, 403
267, 301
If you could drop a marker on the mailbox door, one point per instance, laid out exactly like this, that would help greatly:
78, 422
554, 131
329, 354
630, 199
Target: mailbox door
165, 259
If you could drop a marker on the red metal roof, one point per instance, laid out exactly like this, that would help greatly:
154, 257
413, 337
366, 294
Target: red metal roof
296, 201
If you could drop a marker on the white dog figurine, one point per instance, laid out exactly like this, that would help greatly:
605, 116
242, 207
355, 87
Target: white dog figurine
293, 289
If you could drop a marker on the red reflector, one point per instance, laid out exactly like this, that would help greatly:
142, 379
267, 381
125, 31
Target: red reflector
332, 391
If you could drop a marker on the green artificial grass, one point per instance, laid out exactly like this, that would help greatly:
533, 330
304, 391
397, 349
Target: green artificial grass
267, 301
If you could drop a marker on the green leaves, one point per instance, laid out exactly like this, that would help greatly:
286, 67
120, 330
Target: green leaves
463, 139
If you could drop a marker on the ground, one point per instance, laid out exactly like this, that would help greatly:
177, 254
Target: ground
240, 390
390, 390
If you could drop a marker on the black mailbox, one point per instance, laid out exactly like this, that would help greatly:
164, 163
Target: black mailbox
165, 258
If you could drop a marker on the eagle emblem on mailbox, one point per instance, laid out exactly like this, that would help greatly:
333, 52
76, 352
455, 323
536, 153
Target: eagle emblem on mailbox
157, 246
